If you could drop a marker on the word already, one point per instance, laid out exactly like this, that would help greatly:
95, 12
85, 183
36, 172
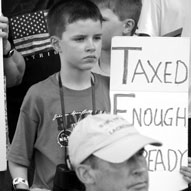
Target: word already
169, 160
163, 72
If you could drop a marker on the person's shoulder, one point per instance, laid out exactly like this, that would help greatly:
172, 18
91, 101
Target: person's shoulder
101, 77
43, 86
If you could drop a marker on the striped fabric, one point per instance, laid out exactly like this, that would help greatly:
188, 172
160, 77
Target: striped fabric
30, 34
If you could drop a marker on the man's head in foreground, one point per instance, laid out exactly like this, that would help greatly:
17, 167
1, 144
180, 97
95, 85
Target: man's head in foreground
107, 154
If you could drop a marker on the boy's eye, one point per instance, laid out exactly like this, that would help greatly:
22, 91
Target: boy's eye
79, 39
97, 38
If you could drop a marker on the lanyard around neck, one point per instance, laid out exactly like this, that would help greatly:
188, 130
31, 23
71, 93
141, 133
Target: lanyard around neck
63, 130
61, 89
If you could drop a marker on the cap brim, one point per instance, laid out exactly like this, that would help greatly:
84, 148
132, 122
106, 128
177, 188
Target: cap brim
125, 148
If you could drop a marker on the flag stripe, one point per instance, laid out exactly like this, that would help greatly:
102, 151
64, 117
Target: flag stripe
32, 38
31, 44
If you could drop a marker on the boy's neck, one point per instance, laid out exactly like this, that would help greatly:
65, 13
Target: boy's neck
105, 61
76, 80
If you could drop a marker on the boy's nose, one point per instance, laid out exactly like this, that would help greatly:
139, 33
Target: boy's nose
90, 46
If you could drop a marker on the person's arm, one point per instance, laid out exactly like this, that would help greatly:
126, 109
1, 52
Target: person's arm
14, 65
18, 171
14, 68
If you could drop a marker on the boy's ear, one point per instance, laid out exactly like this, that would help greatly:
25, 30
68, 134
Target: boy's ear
128, 26
55, 41
85, 174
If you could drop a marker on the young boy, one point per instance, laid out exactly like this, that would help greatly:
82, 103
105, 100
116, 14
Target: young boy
52, 107
120, 17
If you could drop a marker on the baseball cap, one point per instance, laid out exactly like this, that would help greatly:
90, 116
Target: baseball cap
109, 137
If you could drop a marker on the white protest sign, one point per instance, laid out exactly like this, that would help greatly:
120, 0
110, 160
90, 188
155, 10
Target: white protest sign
149, 87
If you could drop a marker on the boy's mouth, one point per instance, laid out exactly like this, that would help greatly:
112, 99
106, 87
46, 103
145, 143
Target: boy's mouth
90, 57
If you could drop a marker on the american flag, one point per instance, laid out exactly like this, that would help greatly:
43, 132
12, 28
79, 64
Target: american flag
30, 34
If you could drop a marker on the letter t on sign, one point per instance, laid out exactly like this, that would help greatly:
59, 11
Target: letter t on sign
126, 51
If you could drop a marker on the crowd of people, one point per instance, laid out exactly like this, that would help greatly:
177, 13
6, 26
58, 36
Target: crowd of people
56, 57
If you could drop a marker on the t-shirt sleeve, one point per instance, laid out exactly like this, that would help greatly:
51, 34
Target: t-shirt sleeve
22, 146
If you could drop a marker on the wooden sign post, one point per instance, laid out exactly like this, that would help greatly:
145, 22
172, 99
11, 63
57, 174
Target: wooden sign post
149, 87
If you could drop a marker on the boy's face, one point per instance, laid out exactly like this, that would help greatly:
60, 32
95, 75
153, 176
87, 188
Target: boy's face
111, 26
80, 45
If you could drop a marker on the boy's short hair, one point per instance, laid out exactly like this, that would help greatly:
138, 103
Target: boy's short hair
102, 3
69, 11
124, 9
